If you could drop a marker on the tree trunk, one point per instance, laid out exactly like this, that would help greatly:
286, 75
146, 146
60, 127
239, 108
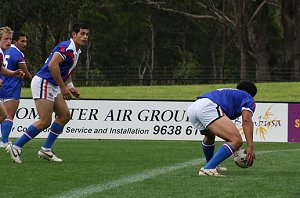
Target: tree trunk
213, 54
262, 39
224, 43
43, 46
152, 53
287, 20
296, 46
143, 66
247, 71
88, 61
241, 30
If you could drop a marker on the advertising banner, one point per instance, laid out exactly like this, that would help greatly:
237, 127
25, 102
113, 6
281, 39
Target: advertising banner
147, 120
270, 122
294, 123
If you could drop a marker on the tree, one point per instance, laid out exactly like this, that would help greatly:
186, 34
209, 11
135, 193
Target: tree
166, 42
290, 17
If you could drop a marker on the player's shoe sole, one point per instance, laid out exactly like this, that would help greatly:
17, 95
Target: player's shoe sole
209, 172
48, 155
14, 153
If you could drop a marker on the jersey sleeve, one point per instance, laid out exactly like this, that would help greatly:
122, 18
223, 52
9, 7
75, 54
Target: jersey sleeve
21, 60
61, 50
65, 54
249, 105
18, 57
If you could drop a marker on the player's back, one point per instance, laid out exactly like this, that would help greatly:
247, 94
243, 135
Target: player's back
232, 101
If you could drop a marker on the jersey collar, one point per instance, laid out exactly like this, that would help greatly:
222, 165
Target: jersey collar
73, 47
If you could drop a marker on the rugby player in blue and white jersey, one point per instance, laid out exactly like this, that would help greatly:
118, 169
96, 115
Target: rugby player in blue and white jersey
212, 113
11, 86
50, 87
5, 43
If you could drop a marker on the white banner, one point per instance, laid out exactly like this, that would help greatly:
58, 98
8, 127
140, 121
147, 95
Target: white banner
146, 120
270, 122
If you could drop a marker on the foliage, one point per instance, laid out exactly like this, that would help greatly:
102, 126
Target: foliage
166, 42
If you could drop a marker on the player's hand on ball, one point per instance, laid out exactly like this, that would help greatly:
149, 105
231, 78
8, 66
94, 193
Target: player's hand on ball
250, 156
241, 158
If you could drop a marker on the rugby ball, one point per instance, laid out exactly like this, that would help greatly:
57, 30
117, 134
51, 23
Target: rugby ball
240, 158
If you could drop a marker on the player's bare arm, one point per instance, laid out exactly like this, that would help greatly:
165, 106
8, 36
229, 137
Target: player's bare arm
248, 130
23, 67
55, 72
6, 72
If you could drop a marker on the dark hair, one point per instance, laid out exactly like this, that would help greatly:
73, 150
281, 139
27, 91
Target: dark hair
17, 35
77, 26
248, 87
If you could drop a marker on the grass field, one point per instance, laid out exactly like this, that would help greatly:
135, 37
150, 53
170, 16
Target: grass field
119, 168
284, 92
123, 168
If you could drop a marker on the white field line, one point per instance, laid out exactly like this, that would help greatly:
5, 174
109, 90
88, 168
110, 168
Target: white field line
98, 188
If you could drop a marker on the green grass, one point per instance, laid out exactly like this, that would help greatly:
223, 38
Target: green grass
284, 92
123, 168
96, 163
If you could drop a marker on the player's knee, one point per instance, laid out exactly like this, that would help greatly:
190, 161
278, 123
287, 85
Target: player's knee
237, 142
3, 117
45, 123
209, 138
66, 117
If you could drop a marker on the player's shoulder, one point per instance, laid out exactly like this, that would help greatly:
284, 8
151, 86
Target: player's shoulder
13, 50
65, 43
235, 93
226, 91
244, 94
64, 46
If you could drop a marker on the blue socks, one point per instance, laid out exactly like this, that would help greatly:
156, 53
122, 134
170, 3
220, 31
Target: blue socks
6, 126
31, 132
55, 130
208, 150
222, 154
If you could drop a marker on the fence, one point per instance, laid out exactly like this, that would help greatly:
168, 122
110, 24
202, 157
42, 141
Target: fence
169, 75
